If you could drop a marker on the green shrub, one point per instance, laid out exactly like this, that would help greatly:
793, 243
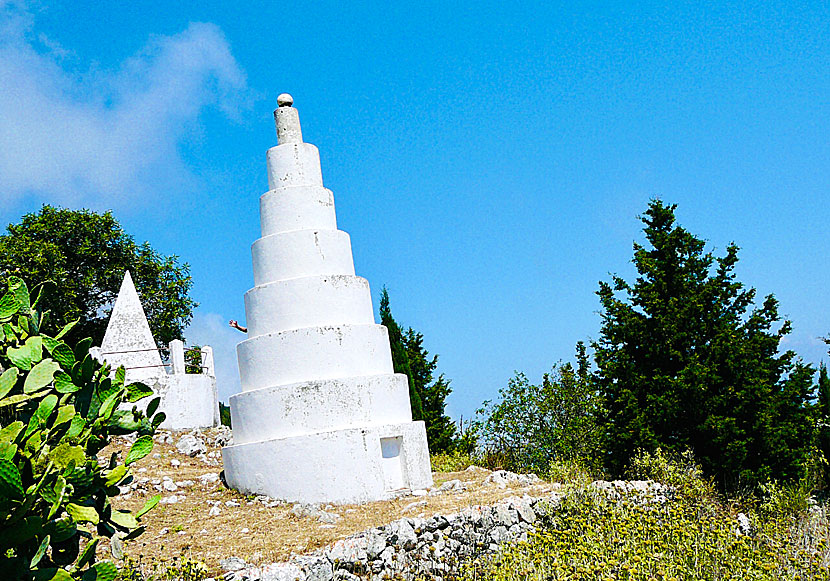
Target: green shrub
533, 425
783, 499
60, 407
224, 414
570, 472
592, 536
453, 461
679, 471
193, 359
182, 568
791, 498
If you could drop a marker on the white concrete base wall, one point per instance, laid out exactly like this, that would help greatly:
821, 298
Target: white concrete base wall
342, 467
309, 301
312, 354
301, 253
297, 208
189, 401
314, 406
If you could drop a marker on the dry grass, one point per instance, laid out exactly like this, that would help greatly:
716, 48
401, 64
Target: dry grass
273, 533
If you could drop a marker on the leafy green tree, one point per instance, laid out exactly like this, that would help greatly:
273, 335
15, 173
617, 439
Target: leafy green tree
432, 392
224, 414
400, 359
686, 361
84, 254
532, 425
193, 359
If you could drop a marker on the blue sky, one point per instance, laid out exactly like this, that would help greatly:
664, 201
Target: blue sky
489, 160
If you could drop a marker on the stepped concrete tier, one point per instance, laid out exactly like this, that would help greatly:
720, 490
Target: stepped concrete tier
322, 417
189, 400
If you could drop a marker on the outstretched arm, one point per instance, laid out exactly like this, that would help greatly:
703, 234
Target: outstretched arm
237, 326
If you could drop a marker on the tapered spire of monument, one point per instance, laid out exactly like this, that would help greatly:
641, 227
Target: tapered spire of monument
288, 121
322, 416
293, 162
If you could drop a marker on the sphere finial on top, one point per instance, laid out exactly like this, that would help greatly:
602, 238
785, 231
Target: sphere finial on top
285, 100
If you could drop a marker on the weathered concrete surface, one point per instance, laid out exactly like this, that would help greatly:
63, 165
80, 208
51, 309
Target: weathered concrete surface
188, 400
294, 409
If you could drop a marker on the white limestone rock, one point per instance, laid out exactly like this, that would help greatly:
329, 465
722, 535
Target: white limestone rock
347, 552
744, 527
190, 445
302, 510
281, 572
452, 486
402, 533
314, 567
232, 564
502, 478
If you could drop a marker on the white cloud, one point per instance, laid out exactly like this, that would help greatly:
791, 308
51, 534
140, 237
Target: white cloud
212, 329
80, 138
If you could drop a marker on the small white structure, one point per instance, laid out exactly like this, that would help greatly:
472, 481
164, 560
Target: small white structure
188, 400
322, 416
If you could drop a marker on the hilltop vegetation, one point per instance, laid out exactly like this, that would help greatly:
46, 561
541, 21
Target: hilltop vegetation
685, 362
694, 535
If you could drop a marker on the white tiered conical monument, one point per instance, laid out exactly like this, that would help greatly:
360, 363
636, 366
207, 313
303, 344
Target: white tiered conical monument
322, 417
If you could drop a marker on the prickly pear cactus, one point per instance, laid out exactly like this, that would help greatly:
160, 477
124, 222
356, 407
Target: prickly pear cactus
58, 408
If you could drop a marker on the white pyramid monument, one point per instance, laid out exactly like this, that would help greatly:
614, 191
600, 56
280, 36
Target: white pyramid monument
128, 340
322, 417
189, 400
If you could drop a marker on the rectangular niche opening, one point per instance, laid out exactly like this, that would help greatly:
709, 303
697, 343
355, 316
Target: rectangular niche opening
391, 450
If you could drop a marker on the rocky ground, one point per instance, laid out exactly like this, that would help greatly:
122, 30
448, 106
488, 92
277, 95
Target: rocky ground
198, 517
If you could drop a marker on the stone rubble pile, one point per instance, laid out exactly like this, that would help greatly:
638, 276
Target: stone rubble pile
194, 444
502, 478
414, 547
313, 511
190, 445
642, 490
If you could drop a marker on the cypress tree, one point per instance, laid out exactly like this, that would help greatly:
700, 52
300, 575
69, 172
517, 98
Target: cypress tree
685, 360
433, 393
823, 392
823, 424
400, 359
